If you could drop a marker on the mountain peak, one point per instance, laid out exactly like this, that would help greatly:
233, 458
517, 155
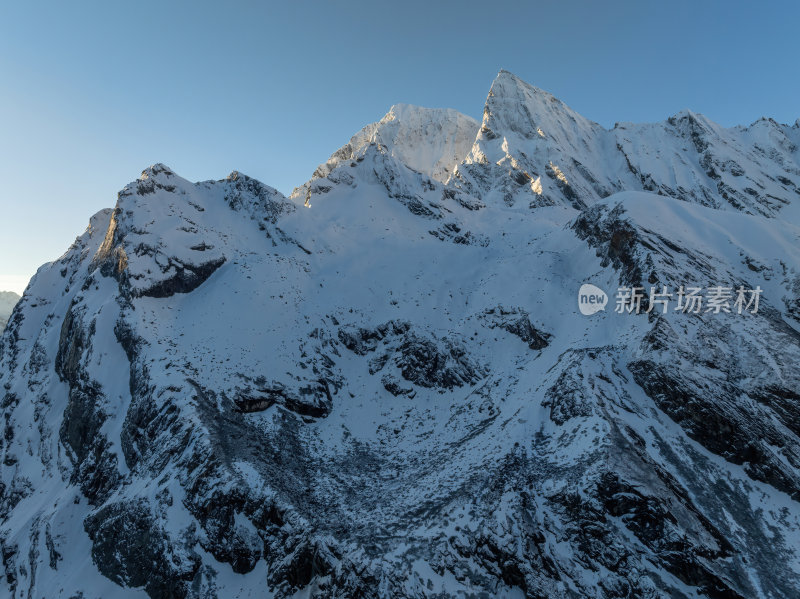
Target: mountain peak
508, 75
431, 141
155, 170
511, 86
692, 116
529, 129
514, 105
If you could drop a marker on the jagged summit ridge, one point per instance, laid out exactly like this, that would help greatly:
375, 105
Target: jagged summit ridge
532, 150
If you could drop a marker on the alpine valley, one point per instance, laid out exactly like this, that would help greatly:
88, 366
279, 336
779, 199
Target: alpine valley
382, 385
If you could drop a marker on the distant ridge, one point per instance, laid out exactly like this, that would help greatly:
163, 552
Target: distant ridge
8, 299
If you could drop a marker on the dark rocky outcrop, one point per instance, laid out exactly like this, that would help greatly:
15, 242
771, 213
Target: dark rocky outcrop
517, 322
130, 547
419, 358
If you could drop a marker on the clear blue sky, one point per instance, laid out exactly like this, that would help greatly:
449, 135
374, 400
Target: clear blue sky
93, 92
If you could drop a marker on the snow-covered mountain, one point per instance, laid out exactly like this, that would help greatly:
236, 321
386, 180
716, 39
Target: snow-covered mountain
430, 141
8, 299
531, 146
383, 385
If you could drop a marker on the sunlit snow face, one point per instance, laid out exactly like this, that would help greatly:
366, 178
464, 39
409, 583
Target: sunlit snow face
591, 299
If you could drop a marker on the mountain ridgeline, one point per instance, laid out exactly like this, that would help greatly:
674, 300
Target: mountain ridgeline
382, 386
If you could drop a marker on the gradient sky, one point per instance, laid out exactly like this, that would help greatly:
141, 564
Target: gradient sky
93, 92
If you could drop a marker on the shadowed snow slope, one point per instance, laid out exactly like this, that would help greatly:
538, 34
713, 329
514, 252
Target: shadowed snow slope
383, 387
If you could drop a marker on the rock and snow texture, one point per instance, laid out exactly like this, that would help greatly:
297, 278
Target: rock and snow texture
532, 146
430, 141
8, 299
382, 386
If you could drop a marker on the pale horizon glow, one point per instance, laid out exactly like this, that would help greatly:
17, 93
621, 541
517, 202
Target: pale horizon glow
94, 93
15, 283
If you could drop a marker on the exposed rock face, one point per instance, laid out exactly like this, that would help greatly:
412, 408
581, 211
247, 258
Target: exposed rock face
383, 387
517, 322
418, 359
